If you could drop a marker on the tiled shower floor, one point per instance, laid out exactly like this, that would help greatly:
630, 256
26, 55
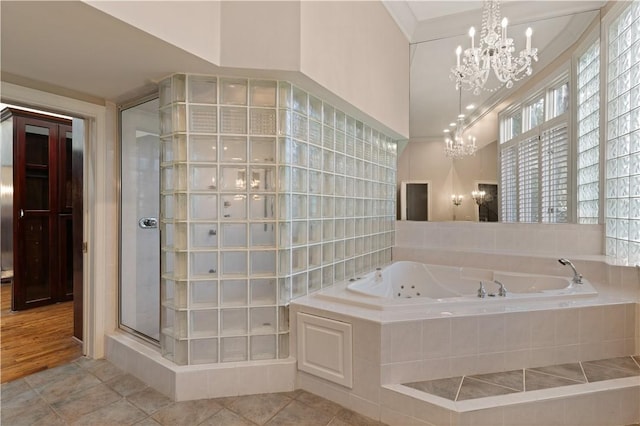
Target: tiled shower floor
90, 392
529, 379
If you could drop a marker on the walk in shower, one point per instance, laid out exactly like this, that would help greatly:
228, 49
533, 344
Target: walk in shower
266, 193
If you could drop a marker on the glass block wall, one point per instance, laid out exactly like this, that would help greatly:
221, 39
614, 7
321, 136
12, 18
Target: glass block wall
268, 193
623, 137
589, 134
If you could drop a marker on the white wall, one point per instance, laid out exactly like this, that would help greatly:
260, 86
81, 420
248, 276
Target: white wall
191, 25
352, 49
482, 167
260, 35
355, 49
424, 160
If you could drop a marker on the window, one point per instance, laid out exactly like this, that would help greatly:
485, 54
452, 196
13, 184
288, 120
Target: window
623, 137
559, 100
512, 126
588, 127
534, 114
508, 185
534, 163
555, 172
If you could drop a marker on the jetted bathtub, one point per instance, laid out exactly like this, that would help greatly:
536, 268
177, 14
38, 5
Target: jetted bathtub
405, 283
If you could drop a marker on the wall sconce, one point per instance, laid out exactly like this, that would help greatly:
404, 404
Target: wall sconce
479, 197
456, 199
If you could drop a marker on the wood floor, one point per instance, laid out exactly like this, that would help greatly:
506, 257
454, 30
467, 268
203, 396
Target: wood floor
35, 339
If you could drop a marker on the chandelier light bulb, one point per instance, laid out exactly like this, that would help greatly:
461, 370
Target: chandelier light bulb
528, 34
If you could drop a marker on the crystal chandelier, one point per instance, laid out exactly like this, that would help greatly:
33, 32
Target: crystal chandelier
455, 145
494, 52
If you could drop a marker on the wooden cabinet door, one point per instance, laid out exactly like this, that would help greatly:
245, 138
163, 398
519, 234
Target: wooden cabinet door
35, 212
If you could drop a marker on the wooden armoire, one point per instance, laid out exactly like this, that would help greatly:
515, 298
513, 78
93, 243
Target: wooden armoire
40, 151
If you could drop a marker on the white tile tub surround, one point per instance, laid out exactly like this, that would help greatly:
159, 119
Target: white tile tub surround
613, 402
452, 346
392, 347
544, 239
527, 248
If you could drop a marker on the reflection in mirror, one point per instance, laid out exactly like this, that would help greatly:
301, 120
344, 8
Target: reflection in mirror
435, 103
414, 201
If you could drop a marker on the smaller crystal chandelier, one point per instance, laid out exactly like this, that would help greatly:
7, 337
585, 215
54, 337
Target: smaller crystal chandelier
494, 52
455, 145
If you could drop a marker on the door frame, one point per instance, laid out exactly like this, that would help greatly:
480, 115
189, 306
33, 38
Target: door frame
99, 207
403, 197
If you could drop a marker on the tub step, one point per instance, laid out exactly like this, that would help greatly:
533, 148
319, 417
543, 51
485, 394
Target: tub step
603, 392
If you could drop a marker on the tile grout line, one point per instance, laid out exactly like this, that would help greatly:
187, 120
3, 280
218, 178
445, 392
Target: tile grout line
459, 387
584, 373
636, 361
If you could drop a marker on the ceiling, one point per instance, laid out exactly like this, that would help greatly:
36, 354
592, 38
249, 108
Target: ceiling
434, 30
95, 55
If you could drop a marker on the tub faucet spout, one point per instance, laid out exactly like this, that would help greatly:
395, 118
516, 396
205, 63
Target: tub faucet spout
502, 291
577, 278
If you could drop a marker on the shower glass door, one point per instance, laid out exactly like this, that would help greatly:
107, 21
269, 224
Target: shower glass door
139, 220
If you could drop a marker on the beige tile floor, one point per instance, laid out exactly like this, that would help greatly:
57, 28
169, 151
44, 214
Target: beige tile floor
482, 385
95, 392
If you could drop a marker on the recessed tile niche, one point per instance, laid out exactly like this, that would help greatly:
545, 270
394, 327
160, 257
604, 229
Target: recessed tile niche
267, 193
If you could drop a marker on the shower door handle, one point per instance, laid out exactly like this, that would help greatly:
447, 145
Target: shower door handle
148, 223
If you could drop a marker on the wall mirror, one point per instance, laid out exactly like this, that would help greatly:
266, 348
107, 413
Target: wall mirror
439, 28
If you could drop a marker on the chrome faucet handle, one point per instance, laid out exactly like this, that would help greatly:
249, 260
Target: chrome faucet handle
502, 291
481, 291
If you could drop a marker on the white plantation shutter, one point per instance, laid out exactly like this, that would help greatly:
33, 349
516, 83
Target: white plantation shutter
529, 180
509, 184
555, 174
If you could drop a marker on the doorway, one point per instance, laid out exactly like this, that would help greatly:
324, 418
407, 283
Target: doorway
488, 209
42, 236
140, 218
415, 200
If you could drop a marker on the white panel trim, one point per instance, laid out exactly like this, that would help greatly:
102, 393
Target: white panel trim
332, 361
